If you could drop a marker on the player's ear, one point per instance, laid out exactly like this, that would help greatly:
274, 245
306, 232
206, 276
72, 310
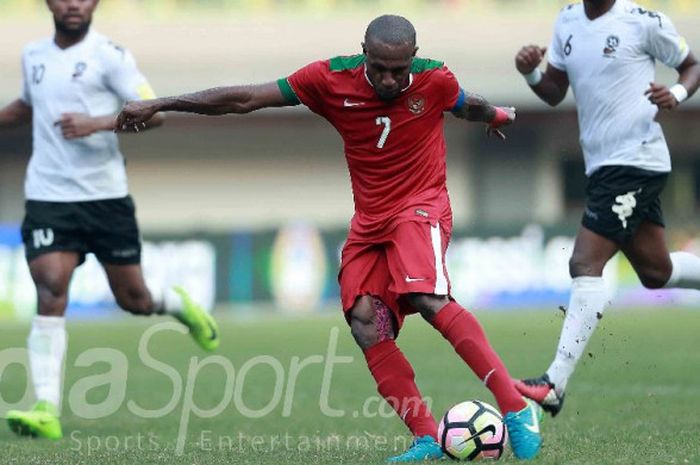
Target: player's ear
415, 50
364, 49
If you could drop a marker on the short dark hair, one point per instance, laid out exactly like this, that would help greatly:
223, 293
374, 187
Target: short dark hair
391, 30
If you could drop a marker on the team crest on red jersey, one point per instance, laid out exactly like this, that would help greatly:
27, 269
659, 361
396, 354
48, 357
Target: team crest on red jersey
416, 103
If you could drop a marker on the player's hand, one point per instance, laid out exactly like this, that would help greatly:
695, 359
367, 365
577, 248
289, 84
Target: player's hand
661, 96
77, 125
494, 130
134, 115
529, 58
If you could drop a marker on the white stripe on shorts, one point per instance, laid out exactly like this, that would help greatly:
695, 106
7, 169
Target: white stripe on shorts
440, 278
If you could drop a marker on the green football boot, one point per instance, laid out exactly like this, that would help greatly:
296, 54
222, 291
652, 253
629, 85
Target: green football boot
41, 421
203, 327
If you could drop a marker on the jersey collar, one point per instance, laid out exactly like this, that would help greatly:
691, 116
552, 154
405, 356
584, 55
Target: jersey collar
88, 38
612, 12
410, 80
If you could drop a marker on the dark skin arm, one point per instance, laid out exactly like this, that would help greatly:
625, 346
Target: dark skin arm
688, 77
476, 108
16, 113
217, 101
554, 84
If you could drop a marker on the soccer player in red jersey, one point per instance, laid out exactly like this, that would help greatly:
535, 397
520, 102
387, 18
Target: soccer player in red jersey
388, 106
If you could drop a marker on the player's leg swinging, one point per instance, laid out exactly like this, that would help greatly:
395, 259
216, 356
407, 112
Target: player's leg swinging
655, 266
649, 256
415, 258
133, 295
463, 331
130, 290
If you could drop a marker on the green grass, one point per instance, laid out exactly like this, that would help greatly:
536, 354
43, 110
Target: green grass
635, 399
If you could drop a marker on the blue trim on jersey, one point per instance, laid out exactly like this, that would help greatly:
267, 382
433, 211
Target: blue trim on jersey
460, 100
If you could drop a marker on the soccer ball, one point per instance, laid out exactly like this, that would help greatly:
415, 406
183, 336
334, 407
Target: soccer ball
472, 430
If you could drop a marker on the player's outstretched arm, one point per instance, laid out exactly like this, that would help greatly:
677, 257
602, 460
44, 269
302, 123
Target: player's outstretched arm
550, 86
476, 108
217, 101
15, 114
688, 82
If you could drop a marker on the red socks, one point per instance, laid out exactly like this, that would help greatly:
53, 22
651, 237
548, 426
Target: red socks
396, 383
396, 380
465, 334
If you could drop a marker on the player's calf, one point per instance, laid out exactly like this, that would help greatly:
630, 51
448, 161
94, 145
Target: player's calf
136, 301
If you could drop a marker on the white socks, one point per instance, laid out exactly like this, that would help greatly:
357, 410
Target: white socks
686, 271
47, 348
172, 302
165, 300
586, 306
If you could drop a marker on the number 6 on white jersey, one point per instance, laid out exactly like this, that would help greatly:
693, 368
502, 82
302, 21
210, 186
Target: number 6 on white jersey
386, 121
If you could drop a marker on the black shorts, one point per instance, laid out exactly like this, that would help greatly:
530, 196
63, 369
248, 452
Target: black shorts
620, 198
106, 228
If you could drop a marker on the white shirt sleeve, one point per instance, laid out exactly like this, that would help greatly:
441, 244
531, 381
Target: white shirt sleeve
124, 77
556, 49
663, 41
26, 96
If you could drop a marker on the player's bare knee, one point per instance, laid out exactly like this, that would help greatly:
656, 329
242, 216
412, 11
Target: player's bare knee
364, 332
51, 301
362, 323
52, 293
580, 266
50, 284
654, 279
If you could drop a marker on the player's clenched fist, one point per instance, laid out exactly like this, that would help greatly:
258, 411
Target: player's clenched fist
661, 96
134, 115
76, 125
529, 58
504, 116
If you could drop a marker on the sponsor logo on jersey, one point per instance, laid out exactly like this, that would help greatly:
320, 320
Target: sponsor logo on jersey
611, 45
350, 103
416, 103
80, 68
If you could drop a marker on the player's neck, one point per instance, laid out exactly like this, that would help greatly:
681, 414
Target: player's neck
64, 41
596, 8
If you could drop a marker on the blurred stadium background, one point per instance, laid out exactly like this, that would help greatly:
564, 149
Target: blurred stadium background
253, 210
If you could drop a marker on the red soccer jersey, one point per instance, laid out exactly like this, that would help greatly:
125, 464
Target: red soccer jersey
395, 149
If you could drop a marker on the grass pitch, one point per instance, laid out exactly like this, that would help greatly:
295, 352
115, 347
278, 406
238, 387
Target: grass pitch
292, 392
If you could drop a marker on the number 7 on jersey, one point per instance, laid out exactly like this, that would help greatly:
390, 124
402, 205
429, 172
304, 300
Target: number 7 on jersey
386, 121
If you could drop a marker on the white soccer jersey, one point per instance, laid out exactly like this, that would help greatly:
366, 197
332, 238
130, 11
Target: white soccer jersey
610, 62
92, 77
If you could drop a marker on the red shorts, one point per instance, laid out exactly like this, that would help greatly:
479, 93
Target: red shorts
409, 259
